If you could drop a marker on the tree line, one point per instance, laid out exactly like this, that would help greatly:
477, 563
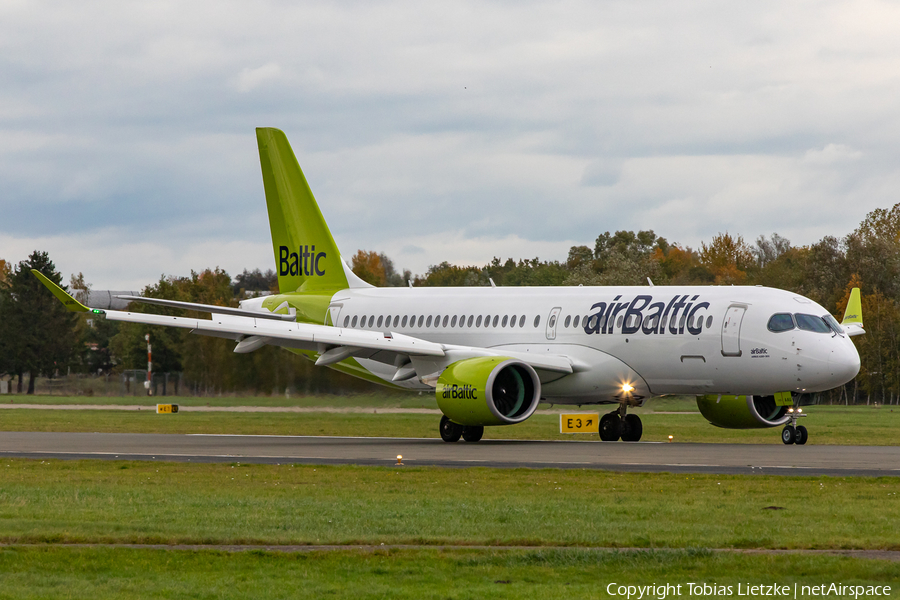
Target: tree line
37, 336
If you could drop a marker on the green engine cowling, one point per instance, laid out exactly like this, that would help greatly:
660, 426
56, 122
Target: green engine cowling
743, 412
488, 390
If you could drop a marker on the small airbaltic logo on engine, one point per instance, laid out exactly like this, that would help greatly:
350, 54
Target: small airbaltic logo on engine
460, 392
759, 353
303, 262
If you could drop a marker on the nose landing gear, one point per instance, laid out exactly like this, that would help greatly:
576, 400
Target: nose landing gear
617, 425
793, 433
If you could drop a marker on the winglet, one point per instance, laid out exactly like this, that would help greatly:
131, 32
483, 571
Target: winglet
853, 314
71, 304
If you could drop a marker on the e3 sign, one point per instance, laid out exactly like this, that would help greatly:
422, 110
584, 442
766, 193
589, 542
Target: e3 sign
579, 423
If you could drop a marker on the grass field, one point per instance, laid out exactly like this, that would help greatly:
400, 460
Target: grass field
415, 574
827, 425
137, 502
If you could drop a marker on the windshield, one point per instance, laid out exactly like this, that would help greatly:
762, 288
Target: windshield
781, 322
812, 323
832, 322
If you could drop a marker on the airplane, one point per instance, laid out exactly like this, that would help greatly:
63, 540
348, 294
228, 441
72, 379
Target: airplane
492, 354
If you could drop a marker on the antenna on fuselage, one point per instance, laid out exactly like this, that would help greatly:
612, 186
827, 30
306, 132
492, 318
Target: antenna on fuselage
410, 282
650, 282
492, 282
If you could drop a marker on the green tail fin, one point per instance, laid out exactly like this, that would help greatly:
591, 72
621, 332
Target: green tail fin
306, 257
853, 313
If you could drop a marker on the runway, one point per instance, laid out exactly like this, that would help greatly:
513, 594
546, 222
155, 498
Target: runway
769, 459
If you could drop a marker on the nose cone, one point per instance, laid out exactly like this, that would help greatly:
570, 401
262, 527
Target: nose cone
843, 363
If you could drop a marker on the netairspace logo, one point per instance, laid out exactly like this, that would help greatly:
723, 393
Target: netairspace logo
746, 590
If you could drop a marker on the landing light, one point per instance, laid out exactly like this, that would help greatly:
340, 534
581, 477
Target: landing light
627, 388
790, 410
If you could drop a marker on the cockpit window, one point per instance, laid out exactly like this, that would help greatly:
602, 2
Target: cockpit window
832, 322
812, 323
781, 322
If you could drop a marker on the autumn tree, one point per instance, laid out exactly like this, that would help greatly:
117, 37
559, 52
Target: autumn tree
728, 258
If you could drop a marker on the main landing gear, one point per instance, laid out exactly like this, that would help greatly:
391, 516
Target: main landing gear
451, 432
617, 425
793, 433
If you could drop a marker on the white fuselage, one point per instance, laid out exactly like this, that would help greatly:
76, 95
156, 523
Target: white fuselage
658, 340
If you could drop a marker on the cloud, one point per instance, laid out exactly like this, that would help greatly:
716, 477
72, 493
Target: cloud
468, 130
250, 79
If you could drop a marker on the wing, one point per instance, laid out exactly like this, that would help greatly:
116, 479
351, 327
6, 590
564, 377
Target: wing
410, 356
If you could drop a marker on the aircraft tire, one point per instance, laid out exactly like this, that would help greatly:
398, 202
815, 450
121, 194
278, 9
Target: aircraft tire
610, 427
802, 435
472, 433
632, 429
788, 435
450, 431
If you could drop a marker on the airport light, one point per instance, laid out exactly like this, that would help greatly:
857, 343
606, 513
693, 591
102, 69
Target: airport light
399, 459
671, 437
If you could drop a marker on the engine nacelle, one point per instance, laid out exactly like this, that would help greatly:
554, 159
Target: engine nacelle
488, 390
742, 412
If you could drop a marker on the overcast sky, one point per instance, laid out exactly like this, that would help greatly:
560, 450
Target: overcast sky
457, 131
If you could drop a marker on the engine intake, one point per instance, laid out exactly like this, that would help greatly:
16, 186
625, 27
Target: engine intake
488, 390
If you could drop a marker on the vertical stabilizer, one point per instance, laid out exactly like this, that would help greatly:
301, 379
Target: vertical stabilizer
306, 257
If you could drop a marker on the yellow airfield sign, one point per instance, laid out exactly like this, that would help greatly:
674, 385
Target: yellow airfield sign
166, 409
579, 422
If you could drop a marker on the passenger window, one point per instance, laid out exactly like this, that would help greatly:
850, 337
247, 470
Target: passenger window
619, 322
371, 321
403, 323
421, 318
552, 321
428, 321
396, 320
469, 324
568, 320
494, 322
537, 321
346, 321
478, 321
379, 321
584, 321
522, 321
462, 320
445, 320
354, 321
505, 319
512, 321
781, 322
812, 323
453, 321
708, 322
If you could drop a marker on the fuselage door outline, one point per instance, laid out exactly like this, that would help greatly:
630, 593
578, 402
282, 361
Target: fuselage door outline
551, 323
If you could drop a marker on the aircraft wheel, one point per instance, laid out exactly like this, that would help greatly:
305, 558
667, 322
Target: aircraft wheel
632, 429
472, 433
610, 427
788, 435
450, 431
802, 435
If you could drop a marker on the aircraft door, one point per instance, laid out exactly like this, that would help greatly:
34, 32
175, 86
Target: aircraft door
731, 330
551, 323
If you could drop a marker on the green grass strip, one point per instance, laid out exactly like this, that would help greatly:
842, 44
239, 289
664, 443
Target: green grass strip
140, 502
100, 573
827, 425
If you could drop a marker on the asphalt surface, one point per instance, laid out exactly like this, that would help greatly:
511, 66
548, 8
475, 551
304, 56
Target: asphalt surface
770, 459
